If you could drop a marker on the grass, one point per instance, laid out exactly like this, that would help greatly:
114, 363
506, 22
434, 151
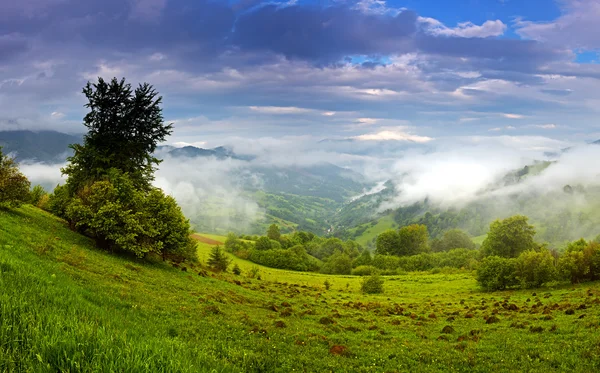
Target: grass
372, 231
66, 306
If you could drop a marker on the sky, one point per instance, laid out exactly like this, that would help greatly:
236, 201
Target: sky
368, 71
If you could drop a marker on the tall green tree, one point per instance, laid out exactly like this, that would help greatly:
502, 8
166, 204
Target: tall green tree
388, 243
124, 129
218, 260
14, 186
453, 239
413, 239
273, 232
509, 237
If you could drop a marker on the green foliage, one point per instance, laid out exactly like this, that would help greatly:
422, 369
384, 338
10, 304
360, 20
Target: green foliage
364, 259
254, 272
263, 244
124, 128
453, 239
364, 270
497, 273
59, 201
509, 237
14, 186
388, 243
36, 195
413, 239
236, 270
580, 262
294, 259
386, 262
232, 243
327, 284
372, 284
218, 260
273, 233
338, 264
535, 268
121, 217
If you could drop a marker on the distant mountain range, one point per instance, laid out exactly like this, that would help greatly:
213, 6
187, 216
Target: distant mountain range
42, 146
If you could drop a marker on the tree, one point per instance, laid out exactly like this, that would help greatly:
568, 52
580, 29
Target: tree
413, 239
263, 243
124, 129
14, 186
273, 232
108, 194
338, 264
509, 237
364, 259
535, 268
232, 242
453, 239
387, 243
218, 260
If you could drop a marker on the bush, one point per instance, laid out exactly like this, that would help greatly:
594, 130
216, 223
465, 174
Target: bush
58, 201
581, 262
386, 262
36, 195
509, 237
218, 260
364, 271
497, 273
364, 259
236, 270
338, 264
120, 217
14, 186
372, 284
534, 269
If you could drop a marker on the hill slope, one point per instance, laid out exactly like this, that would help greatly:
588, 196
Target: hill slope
66, 306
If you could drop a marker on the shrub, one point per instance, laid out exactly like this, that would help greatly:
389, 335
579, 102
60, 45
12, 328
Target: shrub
36, 195
218, 260
58, 201
120, 217
14, 186
372, 284
581, 261
364, 259
364, 271
338, 264
386, 262
535, 268
497, 273
254, 272
236, 270
327, 284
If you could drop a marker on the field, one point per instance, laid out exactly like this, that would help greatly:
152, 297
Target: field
66, 306
370, 232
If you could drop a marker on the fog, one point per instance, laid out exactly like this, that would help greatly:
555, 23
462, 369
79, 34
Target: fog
219, 194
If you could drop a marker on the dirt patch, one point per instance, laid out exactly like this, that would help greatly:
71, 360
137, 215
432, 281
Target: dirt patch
206, 240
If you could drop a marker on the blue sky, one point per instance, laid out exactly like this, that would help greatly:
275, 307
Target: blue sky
410, 71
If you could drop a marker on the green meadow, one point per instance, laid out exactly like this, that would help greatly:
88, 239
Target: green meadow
66, 306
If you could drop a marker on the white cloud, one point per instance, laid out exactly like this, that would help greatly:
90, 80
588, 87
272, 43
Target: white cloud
546, 126
513, 116
280, 110
367, 121
577, 27
395, 135
464, 29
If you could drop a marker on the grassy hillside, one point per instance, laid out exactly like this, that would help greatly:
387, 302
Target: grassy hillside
366, 234
66, 306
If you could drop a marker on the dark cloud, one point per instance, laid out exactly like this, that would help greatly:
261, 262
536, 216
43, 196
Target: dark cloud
323, 34
12, 45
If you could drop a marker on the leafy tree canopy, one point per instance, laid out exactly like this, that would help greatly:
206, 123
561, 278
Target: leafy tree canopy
14, 186
509, 237
124, 128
